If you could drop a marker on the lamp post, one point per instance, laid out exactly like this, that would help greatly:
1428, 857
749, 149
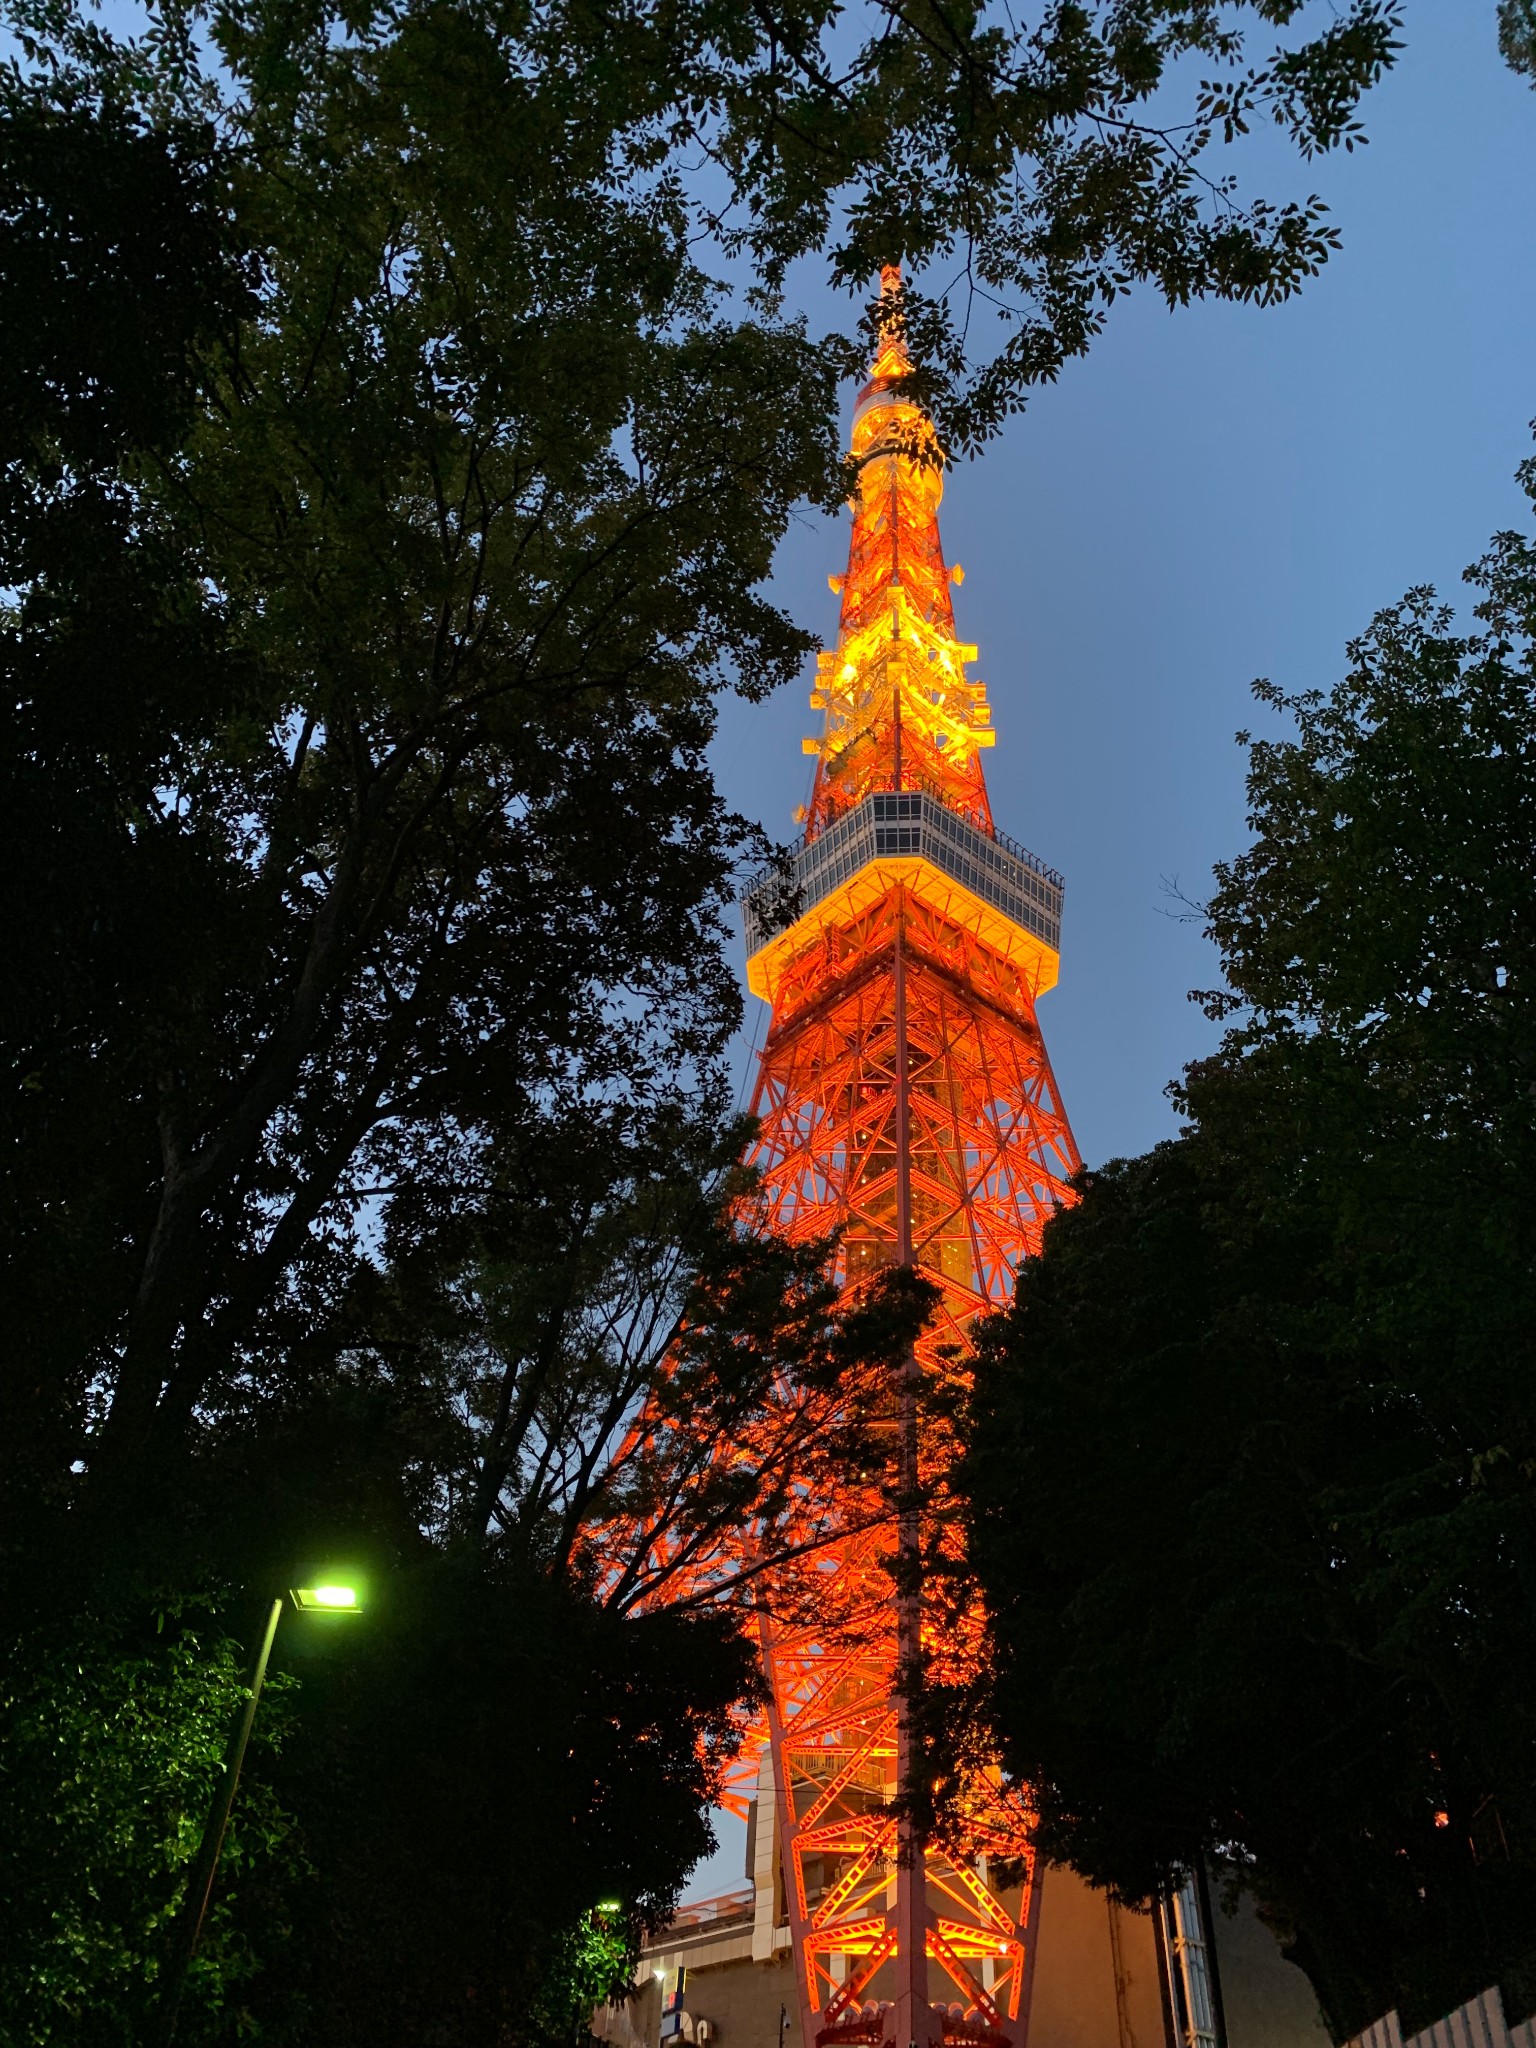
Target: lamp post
328, 1597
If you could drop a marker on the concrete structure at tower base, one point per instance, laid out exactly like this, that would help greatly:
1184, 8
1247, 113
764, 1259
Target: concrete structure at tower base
1101, 1980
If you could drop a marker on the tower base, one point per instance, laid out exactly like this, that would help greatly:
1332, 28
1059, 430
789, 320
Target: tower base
1101, 1981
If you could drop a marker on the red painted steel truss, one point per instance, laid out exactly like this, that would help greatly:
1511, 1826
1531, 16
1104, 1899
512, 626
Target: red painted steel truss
905, 1099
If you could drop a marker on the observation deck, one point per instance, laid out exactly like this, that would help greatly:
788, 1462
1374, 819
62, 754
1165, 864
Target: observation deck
906, 835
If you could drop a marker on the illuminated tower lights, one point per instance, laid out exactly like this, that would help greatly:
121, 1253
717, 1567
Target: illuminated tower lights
905, 1102
904, 1098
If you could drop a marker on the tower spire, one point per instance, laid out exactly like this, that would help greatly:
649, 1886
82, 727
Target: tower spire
891, 357
897, 682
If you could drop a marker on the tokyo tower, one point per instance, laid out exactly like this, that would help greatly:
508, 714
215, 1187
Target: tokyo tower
906, 1107
906, 1101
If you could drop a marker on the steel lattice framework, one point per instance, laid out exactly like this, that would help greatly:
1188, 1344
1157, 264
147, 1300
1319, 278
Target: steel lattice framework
905, 1101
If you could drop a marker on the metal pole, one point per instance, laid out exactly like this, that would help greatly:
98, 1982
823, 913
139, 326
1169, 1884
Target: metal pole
913, 2018
1191, 1964
194, 1906
785, 1851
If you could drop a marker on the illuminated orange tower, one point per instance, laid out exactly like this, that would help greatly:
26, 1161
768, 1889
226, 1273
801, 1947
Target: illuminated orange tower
906, 1101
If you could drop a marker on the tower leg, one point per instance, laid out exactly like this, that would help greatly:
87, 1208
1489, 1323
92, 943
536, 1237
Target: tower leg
913, 2015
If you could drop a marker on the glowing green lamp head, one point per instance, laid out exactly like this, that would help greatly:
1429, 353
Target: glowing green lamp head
329, 1596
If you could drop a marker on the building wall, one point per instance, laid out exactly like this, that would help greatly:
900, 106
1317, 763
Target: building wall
743, 2002
1096, 1974
1097, 1984
1268, 2001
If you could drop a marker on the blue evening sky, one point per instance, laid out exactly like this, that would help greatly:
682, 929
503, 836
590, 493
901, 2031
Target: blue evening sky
1213, 495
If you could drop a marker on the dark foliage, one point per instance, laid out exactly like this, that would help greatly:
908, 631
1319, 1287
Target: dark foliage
483, 1769
1517, 35
113, 1714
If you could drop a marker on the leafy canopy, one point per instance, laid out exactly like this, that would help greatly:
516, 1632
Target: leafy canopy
113, 1731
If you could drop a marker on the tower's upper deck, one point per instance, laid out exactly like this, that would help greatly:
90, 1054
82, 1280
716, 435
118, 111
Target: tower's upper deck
900, 798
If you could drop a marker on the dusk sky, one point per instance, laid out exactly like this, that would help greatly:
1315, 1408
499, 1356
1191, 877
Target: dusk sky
1213, 495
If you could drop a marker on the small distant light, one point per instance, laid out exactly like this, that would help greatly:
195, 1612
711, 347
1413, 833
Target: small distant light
658, 1973
609, 1905
329, 1599
1442, 1818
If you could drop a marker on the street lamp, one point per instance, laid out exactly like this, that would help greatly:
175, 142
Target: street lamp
327, 1599
336, 1595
